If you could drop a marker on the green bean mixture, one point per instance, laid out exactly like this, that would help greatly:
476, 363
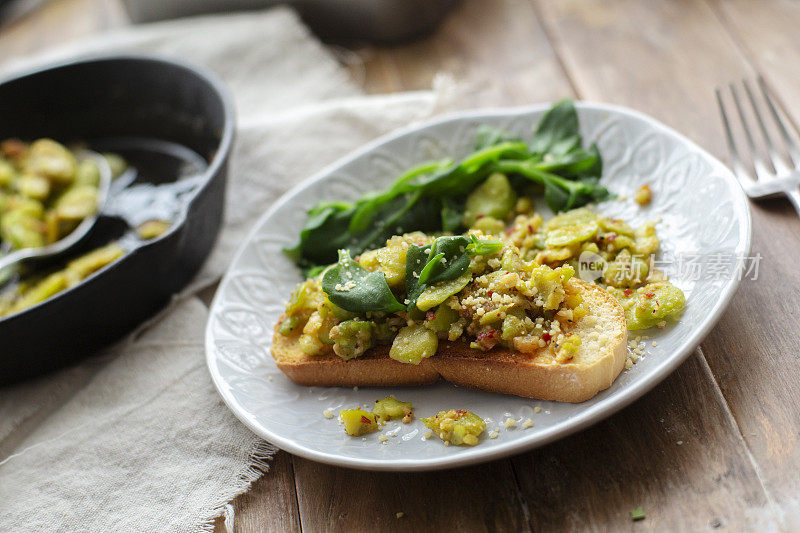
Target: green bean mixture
419, 290
36, 288
625, 254
45, 192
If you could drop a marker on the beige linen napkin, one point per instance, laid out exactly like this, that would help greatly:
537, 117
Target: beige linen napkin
136, 439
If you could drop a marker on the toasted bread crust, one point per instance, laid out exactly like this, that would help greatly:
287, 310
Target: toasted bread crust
374, 368
600, 359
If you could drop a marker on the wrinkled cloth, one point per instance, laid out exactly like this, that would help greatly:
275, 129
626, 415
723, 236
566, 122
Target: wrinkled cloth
136, 438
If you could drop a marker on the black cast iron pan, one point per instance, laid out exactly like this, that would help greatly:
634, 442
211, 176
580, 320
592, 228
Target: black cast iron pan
174, 123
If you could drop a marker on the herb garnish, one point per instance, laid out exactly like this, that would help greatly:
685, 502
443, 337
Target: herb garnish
430, 197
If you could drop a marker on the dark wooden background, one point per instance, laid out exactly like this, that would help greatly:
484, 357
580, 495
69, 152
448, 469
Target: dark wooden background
715, 446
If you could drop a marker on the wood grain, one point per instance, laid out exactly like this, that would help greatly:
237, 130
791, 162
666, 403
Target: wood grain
663, 58
767, 34
676, 452
481, 498
495, 48
271, 502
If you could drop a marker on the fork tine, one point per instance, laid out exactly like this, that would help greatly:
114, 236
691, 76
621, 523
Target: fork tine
790, 145
776, 160
736, 161
758, 164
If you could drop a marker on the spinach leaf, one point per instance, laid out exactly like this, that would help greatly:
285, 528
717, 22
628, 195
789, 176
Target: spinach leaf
557, 132
452, 211
325, 228
445, 259
355, 289
561, 194
404, 213
487, 136
368, 206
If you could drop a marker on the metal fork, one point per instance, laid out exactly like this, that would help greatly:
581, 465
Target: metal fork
763, 179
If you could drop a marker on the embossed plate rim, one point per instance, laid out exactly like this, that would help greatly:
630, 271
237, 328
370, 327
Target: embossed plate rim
487, 450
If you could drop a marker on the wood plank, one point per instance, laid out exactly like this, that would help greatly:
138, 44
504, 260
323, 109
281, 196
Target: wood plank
675, 452
670, 71
482, 498
271, 502
767, 33
495, 47
663, 58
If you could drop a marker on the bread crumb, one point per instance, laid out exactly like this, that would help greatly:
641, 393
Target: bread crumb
537, 409
428, 434
655, 344
493, 434
662, 324
328, 413
383, 438
527, 424
364, 438
355, 389
269, 378
401, 514
510, 423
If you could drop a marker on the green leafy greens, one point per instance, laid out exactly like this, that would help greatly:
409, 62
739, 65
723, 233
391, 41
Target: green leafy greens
355, 289
444, 259
430, 197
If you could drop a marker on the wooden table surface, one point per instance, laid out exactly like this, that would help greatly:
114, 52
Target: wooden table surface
715, 446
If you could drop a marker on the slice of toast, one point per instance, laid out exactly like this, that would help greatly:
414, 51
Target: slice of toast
599, 360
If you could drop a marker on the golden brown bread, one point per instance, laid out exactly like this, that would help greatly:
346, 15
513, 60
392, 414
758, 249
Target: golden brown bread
599, 360
374, 368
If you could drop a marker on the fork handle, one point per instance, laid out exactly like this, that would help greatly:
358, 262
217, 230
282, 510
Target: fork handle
794, 197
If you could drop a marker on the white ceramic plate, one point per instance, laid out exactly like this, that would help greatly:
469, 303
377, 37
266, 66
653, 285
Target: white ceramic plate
704, 216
